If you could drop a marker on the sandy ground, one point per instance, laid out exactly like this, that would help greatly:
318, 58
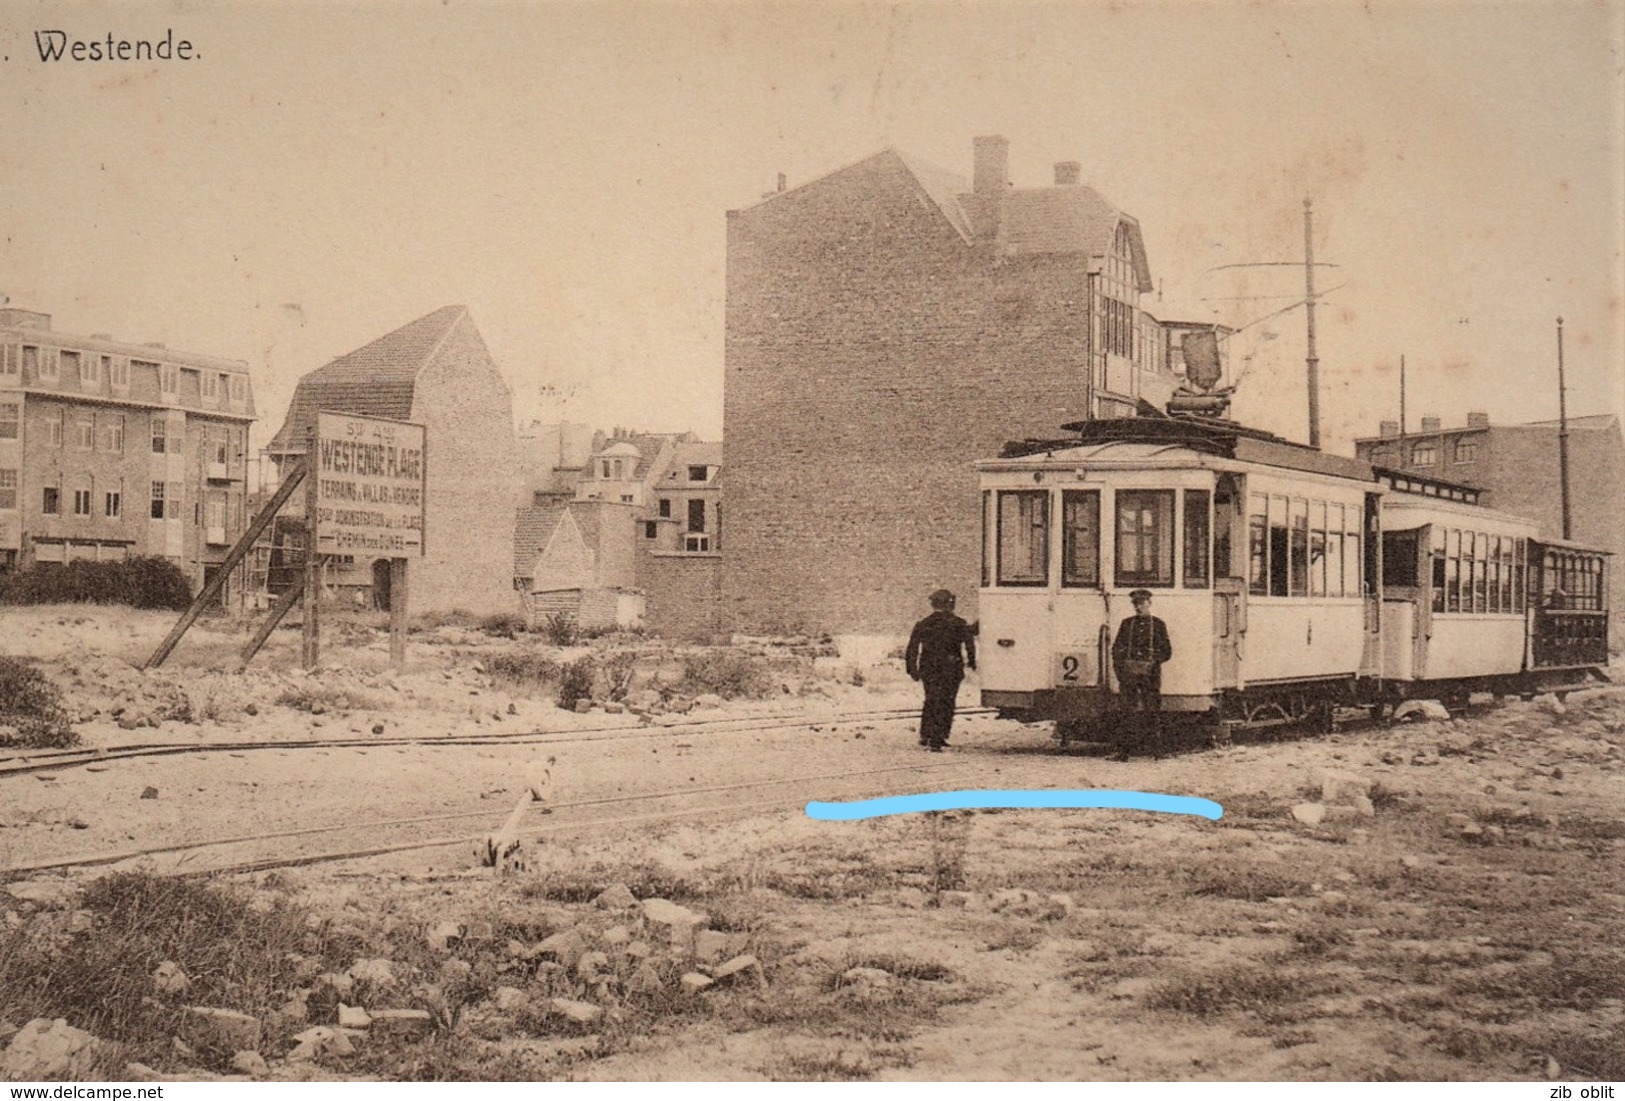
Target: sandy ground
1455, 912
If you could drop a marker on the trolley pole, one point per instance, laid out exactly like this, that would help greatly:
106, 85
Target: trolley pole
1563, 436
1312, 361
312, 640
1401, 401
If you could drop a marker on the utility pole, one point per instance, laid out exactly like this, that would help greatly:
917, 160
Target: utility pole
1563, 435
1312, 361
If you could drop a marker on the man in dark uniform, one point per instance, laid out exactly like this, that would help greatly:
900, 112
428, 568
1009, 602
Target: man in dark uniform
1138, 653
934, 658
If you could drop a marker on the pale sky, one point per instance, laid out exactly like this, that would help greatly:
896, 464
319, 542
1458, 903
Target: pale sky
322, 174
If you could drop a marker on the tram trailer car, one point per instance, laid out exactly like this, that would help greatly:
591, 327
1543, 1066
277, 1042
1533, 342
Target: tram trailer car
1292, 582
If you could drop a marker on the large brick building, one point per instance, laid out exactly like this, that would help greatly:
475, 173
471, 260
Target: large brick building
435, 371
111, 450
1517, 467
886, 326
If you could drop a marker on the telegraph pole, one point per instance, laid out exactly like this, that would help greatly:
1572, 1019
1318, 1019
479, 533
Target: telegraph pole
1563, 435
1312, 361
1402, 400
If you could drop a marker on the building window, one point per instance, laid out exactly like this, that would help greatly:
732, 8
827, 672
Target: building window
173, 496
627, 498
30, 362
1466, 451
160, 435
51, 501
696, 473
81, 502
665, 507
48, 364
113, 505
1023, 537
1080, 538
219, 445
8, 489
113, 433
118, 371
67, 359
239, 389
90, 369
650, 529
1145, 537
209, 385
696, 542
11, 419
1424, 454
53, 427
157, 512
169, 378
8, 360
84, 433
696, 515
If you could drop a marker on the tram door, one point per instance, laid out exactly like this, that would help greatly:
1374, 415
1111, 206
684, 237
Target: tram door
1371, 586
1229, 581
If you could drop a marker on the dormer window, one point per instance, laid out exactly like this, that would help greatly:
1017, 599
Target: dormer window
696, 473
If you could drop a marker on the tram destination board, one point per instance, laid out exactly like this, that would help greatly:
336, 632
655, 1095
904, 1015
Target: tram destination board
369, 486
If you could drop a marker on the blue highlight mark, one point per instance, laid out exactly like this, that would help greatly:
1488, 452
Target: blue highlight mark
996, 798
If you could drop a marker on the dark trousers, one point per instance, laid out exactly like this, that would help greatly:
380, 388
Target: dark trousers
937, 716
1141, 725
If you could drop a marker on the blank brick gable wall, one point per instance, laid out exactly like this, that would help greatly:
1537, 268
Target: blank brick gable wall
872, 354
474, 480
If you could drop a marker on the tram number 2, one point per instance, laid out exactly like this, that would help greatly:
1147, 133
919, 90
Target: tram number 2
1073, 669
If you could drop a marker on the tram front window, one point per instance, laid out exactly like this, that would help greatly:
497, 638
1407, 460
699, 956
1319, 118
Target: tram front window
1023, 537
1145, 537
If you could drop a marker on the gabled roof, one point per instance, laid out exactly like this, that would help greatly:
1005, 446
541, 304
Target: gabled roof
533, 527
1066, 219
376, 380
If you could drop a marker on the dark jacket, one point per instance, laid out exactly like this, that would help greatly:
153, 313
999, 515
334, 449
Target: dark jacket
934, 647
1142, 638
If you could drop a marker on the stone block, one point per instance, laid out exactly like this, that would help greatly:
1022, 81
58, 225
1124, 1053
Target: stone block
43, 1050
212, 1027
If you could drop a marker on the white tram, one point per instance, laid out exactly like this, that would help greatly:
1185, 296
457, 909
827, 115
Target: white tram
1291, 581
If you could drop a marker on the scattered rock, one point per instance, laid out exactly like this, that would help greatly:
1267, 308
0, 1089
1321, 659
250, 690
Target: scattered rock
1310, 814
168, 978
1420, 710
45, 1049
645, 979
708, 700
741, 965
251, 1063
149, 792
911, 898
213, 1027
614, 707
869, 984
567, 947
510, 999
581, 1013
48, 894
1340, 787
353, 1016
375, 971
444, 936
617, 897
679, 922
319, 1041
693, 982
591, 964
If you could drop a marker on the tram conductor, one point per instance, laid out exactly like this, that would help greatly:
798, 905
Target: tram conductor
940, 648
1138, 654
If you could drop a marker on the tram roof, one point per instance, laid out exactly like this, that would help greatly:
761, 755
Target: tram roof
1148, 439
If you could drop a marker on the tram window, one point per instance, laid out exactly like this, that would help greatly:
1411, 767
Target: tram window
1452, 590
1317, 548
987, 528
1300, 547
1469, 571
1145, 537
1494, 561
1334, 550
1519, 590
1080, 538
1257, 544
1197, 505
1353, 579
1278, 546
1023, 537
1438, 569
1399, 558
1481, 575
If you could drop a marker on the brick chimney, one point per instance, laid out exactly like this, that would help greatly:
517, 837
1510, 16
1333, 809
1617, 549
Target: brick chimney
992, 165
1478, 419
1430, 424
1067, 173
1388, 429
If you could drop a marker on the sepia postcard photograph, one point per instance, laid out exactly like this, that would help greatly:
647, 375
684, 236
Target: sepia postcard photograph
782, 542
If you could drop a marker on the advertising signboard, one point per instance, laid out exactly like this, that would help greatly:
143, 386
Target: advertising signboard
369, 486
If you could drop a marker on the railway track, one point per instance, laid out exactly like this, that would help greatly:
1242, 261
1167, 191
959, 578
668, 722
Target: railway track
235, 854
23, 763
